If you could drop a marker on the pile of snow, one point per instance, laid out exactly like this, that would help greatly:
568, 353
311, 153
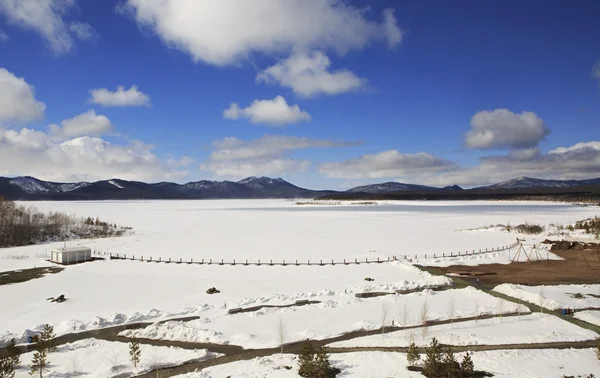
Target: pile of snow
100, 358
590, 316
554, 297
336, 315
527, 329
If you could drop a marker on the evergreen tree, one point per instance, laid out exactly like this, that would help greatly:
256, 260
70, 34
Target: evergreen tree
7, 368
451, 367
135, 352
413, 354
466, 367
323, 366
13, 353
306, 361
45, 345
432, 364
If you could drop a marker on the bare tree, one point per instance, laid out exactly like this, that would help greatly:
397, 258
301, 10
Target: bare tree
155, 361
451, 311
115, 361
476, 311
424, 315
384, 317
542, 299
74, 369
281, 333
500, 308
404, 315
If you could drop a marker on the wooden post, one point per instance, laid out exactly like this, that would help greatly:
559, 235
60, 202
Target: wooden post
233, 261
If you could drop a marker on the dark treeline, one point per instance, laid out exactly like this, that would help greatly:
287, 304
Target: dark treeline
23, 225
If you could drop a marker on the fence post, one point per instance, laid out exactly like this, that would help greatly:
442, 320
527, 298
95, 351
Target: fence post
366, 259
191, 261
150, 258
308, 262
321, 262
246, 261
233, 261
283, 262
271, 262
332, 262
221, 261
169, 259
259, 262
296, 262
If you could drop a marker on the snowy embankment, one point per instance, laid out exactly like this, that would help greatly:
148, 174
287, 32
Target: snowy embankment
590, 316
554, 297
502, 363
100, 358
526, 329
335, 316
110, 293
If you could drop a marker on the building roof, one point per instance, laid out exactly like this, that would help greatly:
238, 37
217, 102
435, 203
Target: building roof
71, 249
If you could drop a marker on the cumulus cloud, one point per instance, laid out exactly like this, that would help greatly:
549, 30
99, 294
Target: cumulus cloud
88, 123
30, 152
227, 31
390, 163
17, 100
120, 97
309, 75
502, 128
3, 36
82, 31
45, 17
269, 155
275, 112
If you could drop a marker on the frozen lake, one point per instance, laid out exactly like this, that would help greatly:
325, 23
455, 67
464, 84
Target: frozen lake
279, 229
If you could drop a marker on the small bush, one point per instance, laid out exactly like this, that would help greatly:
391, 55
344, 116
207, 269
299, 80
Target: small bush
313, 364
529, 229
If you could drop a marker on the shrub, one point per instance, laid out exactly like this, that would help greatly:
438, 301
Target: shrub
413, 354
530, 229
315, 365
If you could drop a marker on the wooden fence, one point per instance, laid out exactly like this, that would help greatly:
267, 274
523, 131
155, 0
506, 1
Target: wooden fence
296, 262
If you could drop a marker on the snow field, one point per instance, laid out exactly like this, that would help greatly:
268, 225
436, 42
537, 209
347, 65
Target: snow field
554, 297
532, 363
100, 358
590, 316
336, 315
526, 329
106, 293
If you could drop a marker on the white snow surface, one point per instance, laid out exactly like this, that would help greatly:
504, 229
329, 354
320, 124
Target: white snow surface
526, 329
554, 297
336, 315
532, 363
114, 183
590, 316
96, 358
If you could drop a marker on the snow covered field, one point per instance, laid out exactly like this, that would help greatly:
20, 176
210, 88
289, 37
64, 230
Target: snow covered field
100, 358
106, 293
336, 315
554, 297
502, 363
526, 329
590, 316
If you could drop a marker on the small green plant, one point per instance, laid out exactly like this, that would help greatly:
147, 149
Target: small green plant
135, 353
413, 355
466, 366
45, 345
313, 364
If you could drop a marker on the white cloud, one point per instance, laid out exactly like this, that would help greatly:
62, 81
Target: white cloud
82, 31
120, 97
88, 123
227, 31
275, 112
390, 163
35, 153
269, 155
502, 128
17, 100
309, 75
45, 17
3, 36
390, 26
596, 71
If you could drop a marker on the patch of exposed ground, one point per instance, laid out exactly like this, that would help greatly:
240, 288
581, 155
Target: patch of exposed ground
23, 275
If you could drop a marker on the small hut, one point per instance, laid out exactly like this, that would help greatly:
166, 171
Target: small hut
71, 255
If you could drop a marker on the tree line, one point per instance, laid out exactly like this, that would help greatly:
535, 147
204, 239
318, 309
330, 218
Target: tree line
24, 225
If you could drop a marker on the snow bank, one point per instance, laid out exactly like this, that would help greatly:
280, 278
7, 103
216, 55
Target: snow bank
554, 297
527, 329
100, 358
590, 316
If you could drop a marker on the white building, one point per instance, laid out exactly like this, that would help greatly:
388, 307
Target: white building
72, 255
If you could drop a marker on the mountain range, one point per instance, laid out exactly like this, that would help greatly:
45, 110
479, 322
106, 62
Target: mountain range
31, 188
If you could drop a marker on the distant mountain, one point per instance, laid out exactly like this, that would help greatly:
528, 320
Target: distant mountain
528, 183
31, 188
392, 187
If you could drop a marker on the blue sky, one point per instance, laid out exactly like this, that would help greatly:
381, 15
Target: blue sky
329, 93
